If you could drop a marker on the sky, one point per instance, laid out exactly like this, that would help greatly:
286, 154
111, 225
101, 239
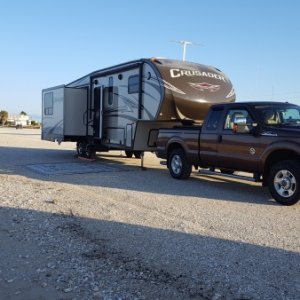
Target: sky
47, 43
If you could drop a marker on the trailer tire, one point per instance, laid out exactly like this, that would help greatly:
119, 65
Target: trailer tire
284, 182
179, 166
81, 148
90, 152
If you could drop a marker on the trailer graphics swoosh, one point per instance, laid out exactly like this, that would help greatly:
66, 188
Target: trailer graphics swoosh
171, 87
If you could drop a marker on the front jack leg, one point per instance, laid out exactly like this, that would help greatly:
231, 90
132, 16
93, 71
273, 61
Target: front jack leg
142, 161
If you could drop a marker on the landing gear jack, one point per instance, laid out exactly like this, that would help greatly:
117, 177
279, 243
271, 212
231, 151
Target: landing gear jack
142, 162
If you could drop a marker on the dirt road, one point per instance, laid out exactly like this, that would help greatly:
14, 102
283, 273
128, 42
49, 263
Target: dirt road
74, 229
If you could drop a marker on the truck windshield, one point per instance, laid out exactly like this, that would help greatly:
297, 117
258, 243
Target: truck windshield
283, 114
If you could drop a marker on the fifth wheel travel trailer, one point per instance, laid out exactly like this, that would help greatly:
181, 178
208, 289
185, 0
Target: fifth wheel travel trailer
122, 107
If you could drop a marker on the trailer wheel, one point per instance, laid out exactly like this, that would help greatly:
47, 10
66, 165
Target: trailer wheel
179, 166
90, 152
81, 148
284, 182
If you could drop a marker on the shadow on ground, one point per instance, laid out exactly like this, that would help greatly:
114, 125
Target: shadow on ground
106, 171
134, 261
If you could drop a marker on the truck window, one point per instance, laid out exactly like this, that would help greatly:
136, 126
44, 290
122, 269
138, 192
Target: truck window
237, 113
213, 120
291, 115
279, 114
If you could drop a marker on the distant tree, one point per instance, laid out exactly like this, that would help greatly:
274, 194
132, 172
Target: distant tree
23, 113
3, 116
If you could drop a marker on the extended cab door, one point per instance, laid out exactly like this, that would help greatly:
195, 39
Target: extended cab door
238, 150
210, 138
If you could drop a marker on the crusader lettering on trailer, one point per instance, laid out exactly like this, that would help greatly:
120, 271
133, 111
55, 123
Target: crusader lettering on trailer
181, 72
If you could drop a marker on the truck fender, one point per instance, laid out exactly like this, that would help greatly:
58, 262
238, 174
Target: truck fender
173, 143
283, 150
282, 146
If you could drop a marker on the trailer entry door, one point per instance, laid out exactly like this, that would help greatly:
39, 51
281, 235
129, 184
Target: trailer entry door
98, 112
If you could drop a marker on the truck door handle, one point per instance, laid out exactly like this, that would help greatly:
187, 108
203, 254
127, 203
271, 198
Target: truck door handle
219, 138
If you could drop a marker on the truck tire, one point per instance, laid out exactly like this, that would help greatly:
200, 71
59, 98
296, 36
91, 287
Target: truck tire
284, 182
179, 166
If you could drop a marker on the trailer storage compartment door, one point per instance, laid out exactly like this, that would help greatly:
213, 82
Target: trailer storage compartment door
147, 131
63, 113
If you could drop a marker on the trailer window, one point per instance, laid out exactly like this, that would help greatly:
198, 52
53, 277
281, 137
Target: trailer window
48, 104
133, 84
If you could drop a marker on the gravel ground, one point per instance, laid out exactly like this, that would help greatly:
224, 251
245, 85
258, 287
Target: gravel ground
73, 229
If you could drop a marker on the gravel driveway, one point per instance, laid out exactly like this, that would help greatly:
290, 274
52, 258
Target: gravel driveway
75, 229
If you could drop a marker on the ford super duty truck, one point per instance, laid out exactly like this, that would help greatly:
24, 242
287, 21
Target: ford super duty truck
262, 138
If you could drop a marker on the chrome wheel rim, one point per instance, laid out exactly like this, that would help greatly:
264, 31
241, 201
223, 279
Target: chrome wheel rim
285, 183
176, 164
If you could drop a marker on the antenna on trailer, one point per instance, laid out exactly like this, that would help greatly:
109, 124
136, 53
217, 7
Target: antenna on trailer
184, 44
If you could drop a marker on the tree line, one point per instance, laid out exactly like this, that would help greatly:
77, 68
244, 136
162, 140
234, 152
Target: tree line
4, 116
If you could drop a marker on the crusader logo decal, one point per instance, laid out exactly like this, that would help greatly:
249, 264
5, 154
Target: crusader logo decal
204, 86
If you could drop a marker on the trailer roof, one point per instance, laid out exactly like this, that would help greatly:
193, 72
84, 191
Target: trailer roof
85, 80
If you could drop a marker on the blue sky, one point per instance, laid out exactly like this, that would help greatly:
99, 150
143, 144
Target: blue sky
48, 43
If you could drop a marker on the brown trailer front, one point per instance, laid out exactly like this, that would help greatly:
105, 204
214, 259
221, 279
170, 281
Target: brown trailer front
190, 89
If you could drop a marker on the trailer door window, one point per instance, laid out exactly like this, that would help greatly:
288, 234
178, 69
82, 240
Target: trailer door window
110, 90
48, 104
133, 84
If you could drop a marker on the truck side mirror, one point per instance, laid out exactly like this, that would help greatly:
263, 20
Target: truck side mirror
240, 125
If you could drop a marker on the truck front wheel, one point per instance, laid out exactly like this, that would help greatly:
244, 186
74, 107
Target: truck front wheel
284, 182
179, 166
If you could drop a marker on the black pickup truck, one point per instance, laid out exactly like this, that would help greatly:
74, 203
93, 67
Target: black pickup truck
262, 138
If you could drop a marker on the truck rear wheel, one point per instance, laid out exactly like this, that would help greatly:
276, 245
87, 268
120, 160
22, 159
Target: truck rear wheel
284, 182
179, 166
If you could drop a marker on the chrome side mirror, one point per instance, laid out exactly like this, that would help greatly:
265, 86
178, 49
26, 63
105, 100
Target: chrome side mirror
240, 125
